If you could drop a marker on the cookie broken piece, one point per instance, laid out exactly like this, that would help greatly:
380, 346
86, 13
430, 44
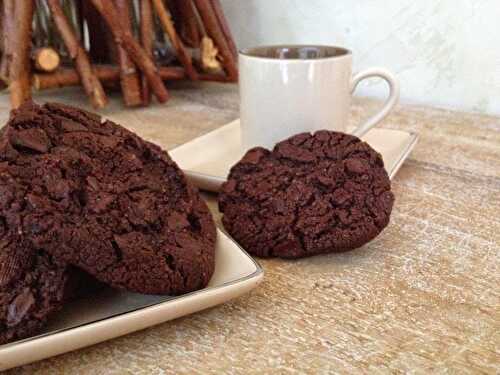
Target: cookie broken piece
312, 194
102, 199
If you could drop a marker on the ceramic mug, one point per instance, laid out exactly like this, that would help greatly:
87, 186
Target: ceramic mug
289, 89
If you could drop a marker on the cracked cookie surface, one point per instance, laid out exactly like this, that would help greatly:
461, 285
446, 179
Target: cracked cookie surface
313, 193
33, 286
105, 200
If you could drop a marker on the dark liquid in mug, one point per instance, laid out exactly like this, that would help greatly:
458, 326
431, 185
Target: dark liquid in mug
295, 52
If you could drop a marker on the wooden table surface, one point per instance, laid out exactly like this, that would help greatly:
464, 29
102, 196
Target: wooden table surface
423, 297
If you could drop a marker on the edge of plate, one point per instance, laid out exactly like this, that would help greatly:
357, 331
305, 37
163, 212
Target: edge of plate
205, 181
56, 338
413, 141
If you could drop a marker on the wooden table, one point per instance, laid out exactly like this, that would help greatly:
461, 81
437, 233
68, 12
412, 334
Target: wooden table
422, 297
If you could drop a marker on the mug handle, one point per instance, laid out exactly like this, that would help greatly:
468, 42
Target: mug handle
389, 103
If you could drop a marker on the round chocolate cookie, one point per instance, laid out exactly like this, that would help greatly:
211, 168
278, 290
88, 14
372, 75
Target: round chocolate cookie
103, 199
313, 193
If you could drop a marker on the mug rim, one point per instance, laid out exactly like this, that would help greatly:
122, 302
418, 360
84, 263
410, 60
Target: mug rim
248, 52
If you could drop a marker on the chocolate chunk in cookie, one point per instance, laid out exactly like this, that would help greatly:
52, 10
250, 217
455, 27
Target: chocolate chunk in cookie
313, 193
101, 198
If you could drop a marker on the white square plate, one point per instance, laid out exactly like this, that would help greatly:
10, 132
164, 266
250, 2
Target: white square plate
112, 313
207, 160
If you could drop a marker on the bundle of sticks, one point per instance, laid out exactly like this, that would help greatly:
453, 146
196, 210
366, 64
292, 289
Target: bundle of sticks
134, 45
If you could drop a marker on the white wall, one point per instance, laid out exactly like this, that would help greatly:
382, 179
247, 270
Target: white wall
445, 52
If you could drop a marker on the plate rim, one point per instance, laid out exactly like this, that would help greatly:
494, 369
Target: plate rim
414, 137
257, 273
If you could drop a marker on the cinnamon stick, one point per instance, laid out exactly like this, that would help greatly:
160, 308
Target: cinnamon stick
7, 32
214, 31
129, 81
20, 69
106, 73
189, 26
136, 52
182, 54
45, 59
90, 82
147, 40
216, 5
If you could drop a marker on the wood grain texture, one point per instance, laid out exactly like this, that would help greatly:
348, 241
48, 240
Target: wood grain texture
421, 298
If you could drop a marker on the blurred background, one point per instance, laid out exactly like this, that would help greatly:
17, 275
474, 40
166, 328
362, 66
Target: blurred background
446, 53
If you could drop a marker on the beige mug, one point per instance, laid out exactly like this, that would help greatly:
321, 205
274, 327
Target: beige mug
289, 89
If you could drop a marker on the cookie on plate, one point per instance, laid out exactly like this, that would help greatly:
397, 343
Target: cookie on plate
103, 199
313, 193
32, 287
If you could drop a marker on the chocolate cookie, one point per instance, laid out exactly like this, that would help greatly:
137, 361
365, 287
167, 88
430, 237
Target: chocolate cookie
32, 287
103, 199
311, 194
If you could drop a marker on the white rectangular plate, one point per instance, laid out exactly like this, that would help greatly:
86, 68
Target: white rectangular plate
207, 160
112, 313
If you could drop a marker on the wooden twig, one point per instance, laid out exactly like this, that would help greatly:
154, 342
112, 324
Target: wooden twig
90, 83
69, 77
189, 26
45, 59
130, 82
7, 32
172, 73
147, 40
182, 54
136, 52
20, 69
214, 31
224, 27
108, 74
